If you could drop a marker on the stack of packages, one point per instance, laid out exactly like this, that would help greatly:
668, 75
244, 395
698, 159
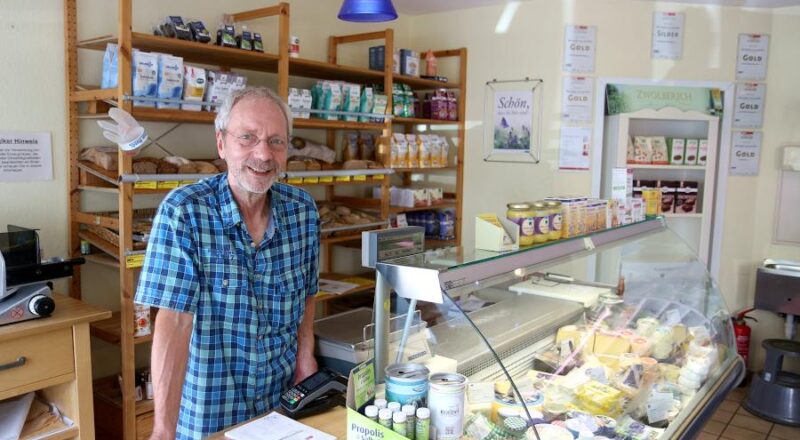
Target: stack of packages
346, 97
660, 150
419, 151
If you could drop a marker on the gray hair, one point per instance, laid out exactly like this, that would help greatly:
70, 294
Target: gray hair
224, 110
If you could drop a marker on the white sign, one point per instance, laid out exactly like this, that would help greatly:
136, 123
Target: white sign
751, 60
745, 152
25, 156
577, 98
579, 48
667, 35
574, 148
749, 105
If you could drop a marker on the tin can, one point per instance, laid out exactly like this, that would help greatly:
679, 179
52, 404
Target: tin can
294, 46
446, 402
407, 384
86, 248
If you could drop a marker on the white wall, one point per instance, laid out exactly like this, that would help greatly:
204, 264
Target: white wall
532, 47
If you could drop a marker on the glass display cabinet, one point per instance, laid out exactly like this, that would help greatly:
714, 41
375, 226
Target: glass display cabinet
621, 333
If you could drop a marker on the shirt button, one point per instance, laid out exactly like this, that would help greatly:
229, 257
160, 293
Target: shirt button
253, 244
225, 283
260, 337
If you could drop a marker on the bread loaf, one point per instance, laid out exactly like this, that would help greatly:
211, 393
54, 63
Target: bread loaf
205, 167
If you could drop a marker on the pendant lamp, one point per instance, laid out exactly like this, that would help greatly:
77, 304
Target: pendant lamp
367, 10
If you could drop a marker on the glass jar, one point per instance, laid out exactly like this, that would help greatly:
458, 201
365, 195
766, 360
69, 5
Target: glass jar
541, 222
522, 214
555, 219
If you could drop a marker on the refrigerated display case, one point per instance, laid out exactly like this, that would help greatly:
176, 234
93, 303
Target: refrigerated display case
621, 333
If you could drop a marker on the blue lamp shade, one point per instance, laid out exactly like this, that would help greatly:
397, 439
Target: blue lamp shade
367, 10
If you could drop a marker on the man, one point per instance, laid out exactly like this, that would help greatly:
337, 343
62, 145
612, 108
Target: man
232, 265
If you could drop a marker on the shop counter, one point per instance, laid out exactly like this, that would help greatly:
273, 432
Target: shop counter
333, 422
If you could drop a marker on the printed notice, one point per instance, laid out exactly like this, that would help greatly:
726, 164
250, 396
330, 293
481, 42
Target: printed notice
749, 105
579, 48
25, 156
745, 152
751, 60
667, 35
574, 148
576, 102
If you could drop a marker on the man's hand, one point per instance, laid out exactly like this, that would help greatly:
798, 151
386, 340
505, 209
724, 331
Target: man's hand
306, 364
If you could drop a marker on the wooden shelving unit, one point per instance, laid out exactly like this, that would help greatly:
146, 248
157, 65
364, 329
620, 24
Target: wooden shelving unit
116, 408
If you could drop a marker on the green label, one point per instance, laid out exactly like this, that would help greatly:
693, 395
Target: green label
626, 98
362, 428
364, 383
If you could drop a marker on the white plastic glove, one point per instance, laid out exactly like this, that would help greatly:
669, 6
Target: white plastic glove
127, 133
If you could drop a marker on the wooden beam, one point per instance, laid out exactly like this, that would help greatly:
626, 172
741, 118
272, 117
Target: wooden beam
71, 82
359, 37
462, 118
283, 52
92, 95
87, 218
254, 14
447, 53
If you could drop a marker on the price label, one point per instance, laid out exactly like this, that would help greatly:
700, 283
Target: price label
134, 261
187, 182
311, 180
378, 177
294, 180
168, 184
342, 178
145, 185
360, 178
326, 179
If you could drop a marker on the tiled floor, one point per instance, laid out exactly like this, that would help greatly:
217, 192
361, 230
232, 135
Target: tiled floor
732, 422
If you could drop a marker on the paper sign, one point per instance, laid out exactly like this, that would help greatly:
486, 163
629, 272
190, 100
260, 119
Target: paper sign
480, 393
574, 148
667, 35
577, 98
364, 383
751, 60
749, 105
745, 153
276, 426
335, 287
25, 156
579, 49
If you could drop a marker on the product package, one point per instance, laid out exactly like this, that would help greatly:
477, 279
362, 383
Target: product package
351, 97
199, 31
659, 153
452, 106
686, 202
692, 147
350, 151
110, 77
305, 103
641, 150
194, 86
445, 151
423, 146
170, 80
245, 40
145, 77
379, 106
175, 28
217, 88
669, 190
399, 151
226, 35
702, 151
333, 98
294, 101
258, 43
409, 62
413, 151
677, 149
435, 150
629, 151
365, 103
366, 147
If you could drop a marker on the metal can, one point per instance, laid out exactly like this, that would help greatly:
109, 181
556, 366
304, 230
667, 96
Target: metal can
294, 46
446, 402
407, 383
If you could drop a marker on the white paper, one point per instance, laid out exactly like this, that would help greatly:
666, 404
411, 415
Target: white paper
335, 287
13, 413
25, 156
577, 98
658, 406
749, 105
275, 426
574, 148
751, 59
480, 392
745, 153
580, 43
667, 35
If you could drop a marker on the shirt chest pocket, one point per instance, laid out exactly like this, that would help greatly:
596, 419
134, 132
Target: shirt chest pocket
223, 274
287, 301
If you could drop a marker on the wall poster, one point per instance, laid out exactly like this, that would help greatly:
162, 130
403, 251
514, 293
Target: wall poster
512, 121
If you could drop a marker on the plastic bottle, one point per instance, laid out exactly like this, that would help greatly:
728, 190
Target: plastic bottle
394, 406
380, 403
385, 417
399, 424
431, 64
411, 421
423, 425
371, 411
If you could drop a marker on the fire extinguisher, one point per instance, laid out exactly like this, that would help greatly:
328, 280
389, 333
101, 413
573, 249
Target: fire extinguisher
742, 332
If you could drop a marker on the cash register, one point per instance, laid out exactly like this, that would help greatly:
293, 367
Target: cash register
26, 290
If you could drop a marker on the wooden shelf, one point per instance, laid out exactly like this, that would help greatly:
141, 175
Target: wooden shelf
171, 115
369, 181
448, 204
425, 170
102, 259
420, 83
107, 389
61, 432
682, 215
365, 287
320, 70
336, 124
420, 121
96, 241
193, 52
109, 330
666, 167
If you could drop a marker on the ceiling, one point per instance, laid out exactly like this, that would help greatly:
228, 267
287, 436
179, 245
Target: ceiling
420, 7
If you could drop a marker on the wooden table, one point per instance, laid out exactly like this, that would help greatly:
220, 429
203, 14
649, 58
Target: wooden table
333, 422
57, 362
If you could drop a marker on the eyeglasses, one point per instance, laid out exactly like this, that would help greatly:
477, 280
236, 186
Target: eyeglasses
247, 140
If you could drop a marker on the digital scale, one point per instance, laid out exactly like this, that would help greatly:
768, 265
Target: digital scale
386, 244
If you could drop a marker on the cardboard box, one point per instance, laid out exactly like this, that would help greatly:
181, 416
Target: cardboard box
493, 233
677, 150
702, 152
692, 148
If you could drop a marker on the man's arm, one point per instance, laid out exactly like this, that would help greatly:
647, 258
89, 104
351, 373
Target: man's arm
170, 352
306, 364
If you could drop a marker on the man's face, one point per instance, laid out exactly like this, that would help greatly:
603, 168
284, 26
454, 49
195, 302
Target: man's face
255, 144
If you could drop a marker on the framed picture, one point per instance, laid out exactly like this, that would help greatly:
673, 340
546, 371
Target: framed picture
512, 121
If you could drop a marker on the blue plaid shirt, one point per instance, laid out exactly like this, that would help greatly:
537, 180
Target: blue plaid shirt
247, 298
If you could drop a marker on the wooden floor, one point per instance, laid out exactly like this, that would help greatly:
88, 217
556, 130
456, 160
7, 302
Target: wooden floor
733, 422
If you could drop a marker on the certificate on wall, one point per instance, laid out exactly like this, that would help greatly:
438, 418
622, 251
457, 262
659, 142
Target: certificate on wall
576, 100
574, 148
25, 156
745, 151
667, 40
579, 49
751, 60
749, 105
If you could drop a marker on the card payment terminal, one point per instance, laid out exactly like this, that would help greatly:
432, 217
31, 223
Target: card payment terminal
318, 392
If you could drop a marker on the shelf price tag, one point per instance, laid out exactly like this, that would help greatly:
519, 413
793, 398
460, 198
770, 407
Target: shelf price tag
360, 178
168, 184
311, 180
342, 178
326, 179
378, 177
294, 180
187, 182
145, 185
134, 261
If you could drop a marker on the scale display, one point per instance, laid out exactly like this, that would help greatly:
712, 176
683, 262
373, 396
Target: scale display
387, 244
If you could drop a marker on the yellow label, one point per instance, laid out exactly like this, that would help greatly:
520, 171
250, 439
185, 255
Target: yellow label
145, 185
326, 179
311, 180
294, 180
133, 261
187, 182
342, 178
378, 177
168, 184
360, 178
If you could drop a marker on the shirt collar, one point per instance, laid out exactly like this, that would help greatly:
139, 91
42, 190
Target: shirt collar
230, 210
